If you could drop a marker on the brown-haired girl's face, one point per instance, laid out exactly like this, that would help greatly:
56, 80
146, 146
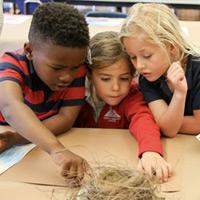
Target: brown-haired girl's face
150, 60
112, 83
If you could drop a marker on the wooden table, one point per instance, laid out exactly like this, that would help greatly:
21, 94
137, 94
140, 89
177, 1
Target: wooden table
105, 146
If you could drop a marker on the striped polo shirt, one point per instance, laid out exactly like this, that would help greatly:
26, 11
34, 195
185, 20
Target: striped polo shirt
14, 66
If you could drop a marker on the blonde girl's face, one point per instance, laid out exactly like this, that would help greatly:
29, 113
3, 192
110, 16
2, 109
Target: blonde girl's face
150, 60
112, 83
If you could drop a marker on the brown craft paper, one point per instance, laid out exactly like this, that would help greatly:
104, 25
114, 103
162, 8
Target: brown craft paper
96, 146
20, 191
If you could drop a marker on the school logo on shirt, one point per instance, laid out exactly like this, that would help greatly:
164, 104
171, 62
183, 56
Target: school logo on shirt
112, 115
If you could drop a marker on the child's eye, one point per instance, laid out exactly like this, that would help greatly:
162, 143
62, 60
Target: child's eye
105, 79
56, 69
147, 56
125, 78
132, 57
75, 68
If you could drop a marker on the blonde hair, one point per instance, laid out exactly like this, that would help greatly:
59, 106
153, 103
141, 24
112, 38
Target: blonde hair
106, 49
160, 24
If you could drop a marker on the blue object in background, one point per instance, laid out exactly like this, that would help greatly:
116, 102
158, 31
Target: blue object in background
106, 14
20, 5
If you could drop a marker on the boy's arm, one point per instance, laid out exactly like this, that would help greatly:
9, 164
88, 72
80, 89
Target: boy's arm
169, 118
23, 120
63, 121
191, 124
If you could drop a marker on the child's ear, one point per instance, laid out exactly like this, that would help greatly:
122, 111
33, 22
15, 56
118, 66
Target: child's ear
89, 75
28, 49
174, 52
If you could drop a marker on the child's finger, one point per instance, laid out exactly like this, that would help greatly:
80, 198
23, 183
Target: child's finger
65, 170
174, 68
83, 168
86, 166
147, 168
80, 172
165, 173
73, 171
139, 166
169, 167
157, 171
175, 73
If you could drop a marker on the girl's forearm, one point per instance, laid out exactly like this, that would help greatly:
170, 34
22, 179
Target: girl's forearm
171, 120
190, 125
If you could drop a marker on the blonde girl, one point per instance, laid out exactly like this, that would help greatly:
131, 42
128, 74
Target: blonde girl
168, 64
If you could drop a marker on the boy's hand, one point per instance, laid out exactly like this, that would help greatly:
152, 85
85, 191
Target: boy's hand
73, 167
176, 78
7, 140
155, 165
10, 138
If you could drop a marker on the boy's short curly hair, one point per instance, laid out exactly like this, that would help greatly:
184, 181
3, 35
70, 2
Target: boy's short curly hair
60, 24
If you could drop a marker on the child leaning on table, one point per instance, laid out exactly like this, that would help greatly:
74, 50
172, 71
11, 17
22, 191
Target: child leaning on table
42, 85
113, 100
168, 64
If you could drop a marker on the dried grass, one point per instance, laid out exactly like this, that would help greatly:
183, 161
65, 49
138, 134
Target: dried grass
117, 183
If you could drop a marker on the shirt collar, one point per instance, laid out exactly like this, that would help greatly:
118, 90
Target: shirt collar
97, 107
31, 68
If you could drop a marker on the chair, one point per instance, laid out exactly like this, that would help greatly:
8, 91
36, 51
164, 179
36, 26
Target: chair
30, 5
8, 2
106, 14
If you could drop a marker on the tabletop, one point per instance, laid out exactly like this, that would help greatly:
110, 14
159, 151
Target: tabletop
106, 146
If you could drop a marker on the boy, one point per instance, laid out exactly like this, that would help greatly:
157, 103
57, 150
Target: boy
42, 86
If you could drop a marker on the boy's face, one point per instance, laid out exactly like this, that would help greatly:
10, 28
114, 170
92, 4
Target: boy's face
112, 83
56, 65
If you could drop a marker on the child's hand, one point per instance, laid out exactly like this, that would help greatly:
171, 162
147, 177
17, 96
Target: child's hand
9, 138
154, 164
72, 166
176, 78
6, 140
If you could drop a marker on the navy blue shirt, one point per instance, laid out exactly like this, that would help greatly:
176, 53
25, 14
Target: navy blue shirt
159, 89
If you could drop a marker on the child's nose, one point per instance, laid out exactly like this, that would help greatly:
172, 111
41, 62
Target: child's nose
115, 86
66, 78
140, 66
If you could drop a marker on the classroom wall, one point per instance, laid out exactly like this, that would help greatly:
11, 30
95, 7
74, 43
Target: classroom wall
188, 14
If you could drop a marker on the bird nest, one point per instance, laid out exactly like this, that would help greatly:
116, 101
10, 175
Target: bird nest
118, 183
